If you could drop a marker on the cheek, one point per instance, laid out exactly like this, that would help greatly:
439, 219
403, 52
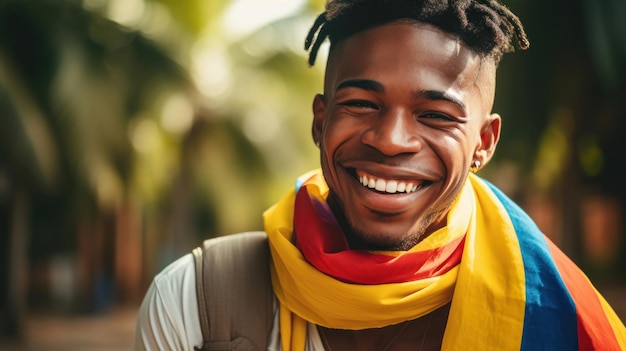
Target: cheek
339, 131
454, 151
333, 137
340, 142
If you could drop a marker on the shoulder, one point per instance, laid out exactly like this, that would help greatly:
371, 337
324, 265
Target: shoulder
168, 317
176, 277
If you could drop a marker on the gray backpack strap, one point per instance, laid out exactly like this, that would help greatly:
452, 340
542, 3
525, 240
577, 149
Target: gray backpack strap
235, 298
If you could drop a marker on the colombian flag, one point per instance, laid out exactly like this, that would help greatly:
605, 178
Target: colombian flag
563, 311
510, 288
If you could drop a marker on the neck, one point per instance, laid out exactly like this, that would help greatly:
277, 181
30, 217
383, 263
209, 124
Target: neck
423, 334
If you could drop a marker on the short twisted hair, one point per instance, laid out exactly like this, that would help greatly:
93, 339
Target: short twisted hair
486, 26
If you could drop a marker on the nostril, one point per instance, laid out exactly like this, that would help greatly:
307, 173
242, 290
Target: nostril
392, 143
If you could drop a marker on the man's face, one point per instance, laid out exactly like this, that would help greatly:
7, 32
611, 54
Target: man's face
405, 112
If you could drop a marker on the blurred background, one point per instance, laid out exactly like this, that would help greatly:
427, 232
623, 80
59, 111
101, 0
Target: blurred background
131, 130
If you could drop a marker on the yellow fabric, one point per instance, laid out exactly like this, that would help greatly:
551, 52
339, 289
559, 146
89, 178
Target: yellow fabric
615, 322
487, 291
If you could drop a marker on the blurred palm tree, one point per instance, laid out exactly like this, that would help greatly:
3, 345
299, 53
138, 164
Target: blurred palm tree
131, 130
71, 82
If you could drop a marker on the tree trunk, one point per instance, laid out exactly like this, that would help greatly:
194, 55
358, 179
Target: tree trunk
18, 265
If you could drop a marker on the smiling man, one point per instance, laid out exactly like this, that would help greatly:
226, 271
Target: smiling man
399, 126
394, 244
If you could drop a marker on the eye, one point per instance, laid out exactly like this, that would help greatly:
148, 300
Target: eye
438, 116
360, 104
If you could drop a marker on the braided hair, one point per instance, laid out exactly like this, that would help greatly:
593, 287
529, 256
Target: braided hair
486, 26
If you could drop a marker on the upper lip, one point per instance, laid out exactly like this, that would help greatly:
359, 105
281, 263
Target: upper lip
391, 172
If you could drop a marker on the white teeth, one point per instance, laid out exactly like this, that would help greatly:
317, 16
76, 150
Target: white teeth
389, 186
380, 185
371, 183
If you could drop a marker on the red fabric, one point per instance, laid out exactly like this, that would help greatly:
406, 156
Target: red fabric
594, 329
323, 244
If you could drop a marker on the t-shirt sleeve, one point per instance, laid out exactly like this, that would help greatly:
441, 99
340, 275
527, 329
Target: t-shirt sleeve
168, 317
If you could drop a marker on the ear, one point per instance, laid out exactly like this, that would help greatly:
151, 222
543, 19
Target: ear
489, 136
319, 112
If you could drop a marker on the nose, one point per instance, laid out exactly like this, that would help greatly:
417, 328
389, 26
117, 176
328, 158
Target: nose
394, 133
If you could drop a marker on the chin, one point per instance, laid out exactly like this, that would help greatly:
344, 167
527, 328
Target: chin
384, 240
389, 235
380, 232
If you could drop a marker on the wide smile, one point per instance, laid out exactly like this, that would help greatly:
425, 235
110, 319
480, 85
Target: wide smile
389, 185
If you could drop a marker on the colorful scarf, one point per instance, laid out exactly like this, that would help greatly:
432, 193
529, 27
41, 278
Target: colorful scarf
510, 287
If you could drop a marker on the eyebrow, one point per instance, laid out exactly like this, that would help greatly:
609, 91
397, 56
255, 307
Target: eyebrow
365, 84
439, 95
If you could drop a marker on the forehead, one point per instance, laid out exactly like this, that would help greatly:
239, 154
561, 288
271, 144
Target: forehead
415, 52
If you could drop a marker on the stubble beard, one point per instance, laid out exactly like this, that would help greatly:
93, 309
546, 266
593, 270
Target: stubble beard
360, 238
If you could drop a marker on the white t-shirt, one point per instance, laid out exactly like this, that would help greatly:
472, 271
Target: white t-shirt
168, 318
